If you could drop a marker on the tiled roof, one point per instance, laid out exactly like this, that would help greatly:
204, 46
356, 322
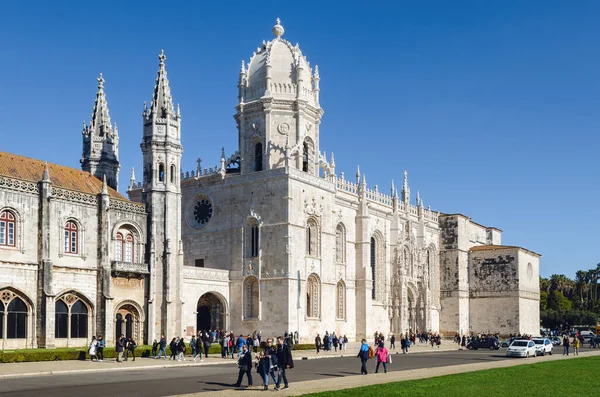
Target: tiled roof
500, 247
28, 169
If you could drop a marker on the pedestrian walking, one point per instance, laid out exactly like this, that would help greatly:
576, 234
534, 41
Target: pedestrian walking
181, 349
382, 357
100, 348
173, 348
284, 361
206, 343
198, 348
154, 348
162, 345
93, 349
245, 367
193, 347
363, 354
392, 342
576, 345
566, 343
318, 343
120, 346
269, 363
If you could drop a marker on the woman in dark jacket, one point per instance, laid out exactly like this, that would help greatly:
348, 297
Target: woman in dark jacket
173, 347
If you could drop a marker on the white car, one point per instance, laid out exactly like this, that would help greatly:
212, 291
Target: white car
521, 348
543, 346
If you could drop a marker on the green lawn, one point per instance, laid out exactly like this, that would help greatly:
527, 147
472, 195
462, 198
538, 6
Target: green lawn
578, 377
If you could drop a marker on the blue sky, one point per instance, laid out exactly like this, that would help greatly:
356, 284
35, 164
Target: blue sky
491, 107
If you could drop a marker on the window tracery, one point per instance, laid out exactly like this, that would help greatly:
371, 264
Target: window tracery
313, 297
251, 298
341, 300
340, 244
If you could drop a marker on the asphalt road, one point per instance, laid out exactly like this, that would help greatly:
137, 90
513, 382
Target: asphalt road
164, 382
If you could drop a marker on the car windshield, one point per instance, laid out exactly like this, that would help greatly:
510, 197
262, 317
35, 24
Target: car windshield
539, 341
519, 343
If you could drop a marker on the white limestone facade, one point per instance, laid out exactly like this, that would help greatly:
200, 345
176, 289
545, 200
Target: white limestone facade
271, 238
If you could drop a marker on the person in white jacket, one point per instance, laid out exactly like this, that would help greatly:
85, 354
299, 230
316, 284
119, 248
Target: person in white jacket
92, 349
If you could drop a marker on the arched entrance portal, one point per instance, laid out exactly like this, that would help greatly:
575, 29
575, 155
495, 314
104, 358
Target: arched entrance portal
129, 321
210, 312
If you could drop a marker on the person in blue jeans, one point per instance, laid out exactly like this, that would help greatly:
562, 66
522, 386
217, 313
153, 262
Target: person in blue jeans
163, 347
269, 363
363, 354
240, 343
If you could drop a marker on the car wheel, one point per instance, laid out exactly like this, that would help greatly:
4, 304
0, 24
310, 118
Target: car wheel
492, 348
543, 352
550, 352
470, 347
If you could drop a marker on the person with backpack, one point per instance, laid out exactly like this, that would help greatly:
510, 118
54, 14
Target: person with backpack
382, 357
284, 361
363, 354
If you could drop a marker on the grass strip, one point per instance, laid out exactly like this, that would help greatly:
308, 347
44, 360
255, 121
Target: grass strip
553, 378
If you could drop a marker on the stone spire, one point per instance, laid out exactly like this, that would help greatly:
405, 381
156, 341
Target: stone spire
46, 174
132, 179
162, 101
405, 189
104, 186
101, 141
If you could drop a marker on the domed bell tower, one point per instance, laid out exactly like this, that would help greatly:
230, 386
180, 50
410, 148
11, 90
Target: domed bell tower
278, 108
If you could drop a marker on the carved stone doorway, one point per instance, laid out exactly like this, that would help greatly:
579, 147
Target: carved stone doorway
210, 312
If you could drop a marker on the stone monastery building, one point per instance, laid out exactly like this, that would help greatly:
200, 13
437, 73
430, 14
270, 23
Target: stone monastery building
274, 238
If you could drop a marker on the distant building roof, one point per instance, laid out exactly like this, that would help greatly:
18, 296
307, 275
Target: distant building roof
28, 169
500, 247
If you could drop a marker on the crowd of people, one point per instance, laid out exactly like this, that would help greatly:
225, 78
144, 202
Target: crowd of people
331, 340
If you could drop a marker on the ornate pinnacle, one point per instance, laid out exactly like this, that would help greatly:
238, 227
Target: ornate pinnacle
162, 57
46, 174
332, 160
357, 172
316, 71
100, 82
104, 185
278, 29
243, 69
223, 153
393, 188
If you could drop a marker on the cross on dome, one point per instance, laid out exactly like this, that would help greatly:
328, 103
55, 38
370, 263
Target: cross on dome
278, 29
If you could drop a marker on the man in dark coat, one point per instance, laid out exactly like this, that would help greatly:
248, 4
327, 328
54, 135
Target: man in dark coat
284, 361
206, 343
245, 365
119, 348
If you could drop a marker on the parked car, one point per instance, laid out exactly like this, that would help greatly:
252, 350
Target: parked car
507, 342
483, 343
521, 348
543, 346
556, 340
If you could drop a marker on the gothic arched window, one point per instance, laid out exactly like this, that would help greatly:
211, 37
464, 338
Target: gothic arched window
305, 157
161, 172
340, 312
377, 268
119, 247
16, 317
258, 157
252, 238
251, 298
340, 244
71, 317
313, 297
61, 317
8, 229
312, 238
71, 237
129, 249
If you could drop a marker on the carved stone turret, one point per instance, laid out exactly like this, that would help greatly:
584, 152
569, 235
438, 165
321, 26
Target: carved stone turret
101, 142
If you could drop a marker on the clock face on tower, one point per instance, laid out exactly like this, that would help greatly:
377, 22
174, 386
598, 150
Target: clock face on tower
199, 211
203, 211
